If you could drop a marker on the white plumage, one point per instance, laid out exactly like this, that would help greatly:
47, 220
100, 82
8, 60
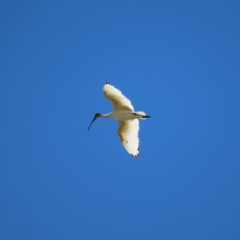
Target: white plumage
128, 133
118, 100
128, 123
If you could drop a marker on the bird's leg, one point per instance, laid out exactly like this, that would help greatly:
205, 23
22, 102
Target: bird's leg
141, 116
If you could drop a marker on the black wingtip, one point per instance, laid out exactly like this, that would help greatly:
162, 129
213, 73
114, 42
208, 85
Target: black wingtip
135, 155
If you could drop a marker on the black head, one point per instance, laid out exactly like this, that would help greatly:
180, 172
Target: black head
97, 115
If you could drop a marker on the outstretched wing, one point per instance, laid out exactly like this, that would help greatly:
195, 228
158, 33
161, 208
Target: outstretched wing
128, 133
118, 100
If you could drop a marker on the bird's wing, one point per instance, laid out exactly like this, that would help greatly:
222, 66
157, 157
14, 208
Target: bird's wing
119, 101
128, 133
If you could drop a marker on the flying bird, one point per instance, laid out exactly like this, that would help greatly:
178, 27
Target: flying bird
123, 112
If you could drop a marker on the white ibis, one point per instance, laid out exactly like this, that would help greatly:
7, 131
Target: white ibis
123, 112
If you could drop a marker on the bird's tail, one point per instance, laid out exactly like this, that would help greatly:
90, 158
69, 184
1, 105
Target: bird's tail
141, 115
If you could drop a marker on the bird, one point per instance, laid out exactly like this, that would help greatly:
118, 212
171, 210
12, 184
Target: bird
123, 112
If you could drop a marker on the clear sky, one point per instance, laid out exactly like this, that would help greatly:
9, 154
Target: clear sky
178, 61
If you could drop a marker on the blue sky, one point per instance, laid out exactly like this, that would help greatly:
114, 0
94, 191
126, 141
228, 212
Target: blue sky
178, 61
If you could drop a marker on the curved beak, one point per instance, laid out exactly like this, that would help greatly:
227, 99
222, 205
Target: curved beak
92, 122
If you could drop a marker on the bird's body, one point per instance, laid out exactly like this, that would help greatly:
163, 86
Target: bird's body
123, 112
122, 115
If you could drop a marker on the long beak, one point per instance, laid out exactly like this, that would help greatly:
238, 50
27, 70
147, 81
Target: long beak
92, 122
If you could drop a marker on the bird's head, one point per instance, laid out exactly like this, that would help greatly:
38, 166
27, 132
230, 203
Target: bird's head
97, 115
